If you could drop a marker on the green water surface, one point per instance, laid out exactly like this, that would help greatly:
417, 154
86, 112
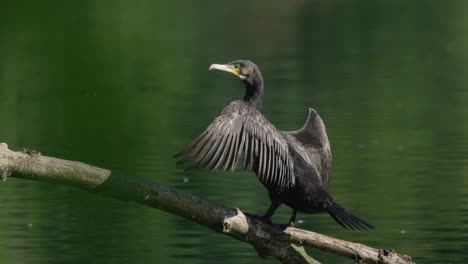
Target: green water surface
125, 84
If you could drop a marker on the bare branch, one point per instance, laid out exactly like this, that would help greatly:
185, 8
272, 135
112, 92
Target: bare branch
268, 241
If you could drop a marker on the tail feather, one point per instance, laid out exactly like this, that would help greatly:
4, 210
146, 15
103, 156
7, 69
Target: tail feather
346, 219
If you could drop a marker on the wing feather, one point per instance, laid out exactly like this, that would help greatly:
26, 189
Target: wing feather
241, 130
231, 152
222, 158
219, 154
212, 154
261, 162
246, 151
201, 153
191, 152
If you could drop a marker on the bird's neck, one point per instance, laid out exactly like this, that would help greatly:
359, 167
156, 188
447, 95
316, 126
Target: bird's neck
254, 92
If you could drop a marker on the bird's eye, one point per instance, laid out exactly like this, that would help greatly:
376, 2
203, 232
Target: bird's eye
236, 66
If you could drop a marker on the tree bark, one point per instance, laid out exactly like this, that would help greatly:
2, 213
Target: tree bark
286, 246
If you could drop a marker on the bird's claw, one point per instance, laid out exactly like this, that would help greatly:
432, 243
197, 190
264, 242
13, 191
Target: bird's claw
284, 226
261, 218
279, 227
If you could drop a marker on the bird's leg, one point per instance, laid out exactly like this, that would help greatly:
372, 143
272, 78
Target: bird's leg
292, 220
271, 210
266, 218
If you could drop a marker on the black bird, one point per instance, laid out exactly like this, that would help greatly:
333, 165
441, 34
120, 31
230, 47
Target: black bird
294, 166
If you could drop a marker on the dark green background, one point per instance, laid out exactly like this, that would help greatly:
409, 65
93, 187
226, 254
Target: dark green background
125, 84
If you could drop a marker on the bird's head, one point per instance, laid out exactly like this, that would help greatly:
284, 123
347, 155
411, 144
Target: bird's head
245, 70
249, 74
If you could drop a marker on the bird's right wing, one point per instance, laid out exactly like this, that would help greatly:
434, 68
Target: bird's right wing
242, 129
314, 145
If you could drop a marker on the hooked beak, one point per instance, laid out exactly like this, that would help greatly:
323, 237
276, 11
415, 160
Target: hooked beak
227, 68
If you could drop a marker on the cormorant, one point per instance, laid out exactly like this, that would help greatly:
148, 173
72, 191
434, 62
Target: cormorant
294, 166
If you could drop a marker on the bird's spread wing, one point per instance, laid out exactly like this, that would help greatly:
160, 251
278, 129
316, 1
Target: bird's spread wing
241, 129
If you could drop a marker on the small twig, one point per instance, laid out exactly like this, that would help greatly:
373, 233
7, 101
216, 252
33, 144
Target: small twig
31, 152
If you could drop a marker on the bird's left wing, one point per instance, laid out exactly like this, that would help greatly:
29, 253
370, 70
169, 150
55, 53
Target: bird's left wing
241, 129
